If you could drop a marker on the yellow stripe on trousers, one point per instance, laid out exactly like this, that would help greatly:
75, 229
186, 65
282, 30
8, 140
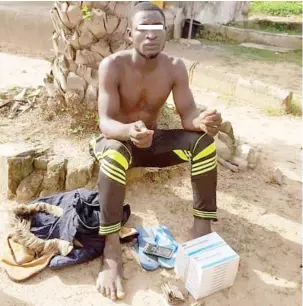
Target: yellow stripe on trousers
103, 230
205, 170
121, 181
181, 154
116, 156
209, 164
196, 166
205, 214
113, 172
113, 169
207, 151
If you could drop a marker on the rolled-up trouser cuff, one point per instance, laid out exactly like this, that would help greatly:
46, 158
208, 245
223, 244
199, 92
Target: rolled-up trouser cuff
211, 215
110, 229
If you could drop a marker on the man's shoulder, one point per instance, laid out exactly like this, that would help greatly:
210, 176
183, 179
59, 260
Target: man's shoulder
173, 61
175, 65
120, 55
116, 58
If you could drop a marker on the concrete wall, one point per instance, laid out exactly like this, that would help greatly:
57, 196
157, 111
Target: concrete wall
212, 12
222, 33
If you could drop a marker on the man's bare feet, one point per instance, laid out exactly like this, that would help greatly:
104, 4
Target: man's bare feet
109, 281
200, 228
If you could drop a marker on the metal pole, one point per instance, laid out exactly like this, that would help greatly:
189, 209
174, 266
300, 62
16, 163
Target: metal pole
191, 19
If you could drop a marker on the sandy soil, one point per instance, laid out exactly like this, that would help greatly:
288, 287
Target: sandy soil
259, 219
282, 74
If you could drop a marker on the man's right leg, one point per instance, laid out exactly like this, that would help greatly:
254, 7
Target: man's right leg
114, 158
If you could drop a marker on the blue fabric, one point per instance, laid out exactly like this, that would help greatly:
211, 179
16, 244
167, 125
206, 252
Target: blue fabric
80, 220
158, 235
164, 238
148, 262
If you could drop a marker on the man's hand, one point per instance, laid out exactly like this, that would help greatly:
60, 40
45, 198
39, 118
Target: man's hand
140, 136
209, 122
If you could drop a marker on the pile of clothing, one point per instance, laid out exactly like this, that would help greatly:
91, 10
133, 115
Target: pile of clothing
56, 231
62, 230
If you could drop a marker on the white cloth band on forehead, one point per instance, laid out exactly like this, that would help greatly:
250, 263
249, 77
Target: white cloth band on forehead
150, 27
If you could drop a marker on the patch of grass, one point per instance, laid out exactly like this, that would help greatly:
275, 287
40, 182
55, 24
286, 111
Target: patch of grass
257, 54
234, 50
10, 92
228, 98
272, 111
87, 14
296, 107
276, 8
273, 28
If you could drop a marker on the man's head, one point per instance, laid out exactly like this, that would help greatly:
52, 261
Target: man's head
148, 32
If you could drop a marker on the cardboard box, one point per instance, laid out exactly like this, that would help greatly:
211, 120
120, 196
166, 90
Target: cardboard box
206, 265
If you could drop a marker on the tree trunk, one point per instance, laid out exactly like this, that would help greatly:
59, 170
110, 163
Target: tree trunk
85, 32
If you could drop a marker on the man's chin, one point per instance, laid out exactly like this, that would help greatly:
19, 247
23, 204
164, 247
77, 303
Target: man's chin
150, 55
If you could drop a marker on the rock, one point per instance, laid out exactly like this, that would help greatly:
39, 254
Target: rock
227, 140
135, 174
91, 97
129, 270
29, 187
16, 162
74, 82
248, 153
222, 149
263, 211
128, 254
16, 172
40, 163
240, 162
279, 177
54, 180
227, 128
78, 173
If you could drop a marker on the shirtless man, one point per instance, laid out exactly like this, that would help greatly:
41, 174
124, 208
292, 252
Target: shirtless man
133, 86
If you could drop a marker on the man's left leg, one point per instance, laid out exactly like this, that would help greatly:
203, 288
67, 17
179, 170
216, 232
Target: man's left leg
172, 147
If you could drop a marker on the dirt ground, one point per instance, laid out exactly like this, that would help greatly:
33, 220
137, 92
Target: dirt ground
259, 219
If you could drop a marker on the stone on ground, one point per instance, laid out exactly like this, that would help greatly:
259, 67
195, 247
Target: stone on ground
223, 150
227, 140
79, 172
248, 153
54, 179
29, 187
16, 163
279, 177
40, 163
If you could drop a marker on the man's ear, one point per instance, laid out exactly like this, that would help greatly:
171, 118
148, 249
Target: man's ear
129, 34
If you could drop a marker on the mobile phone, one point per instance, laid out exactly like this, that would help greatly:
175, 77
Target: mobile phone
157, 250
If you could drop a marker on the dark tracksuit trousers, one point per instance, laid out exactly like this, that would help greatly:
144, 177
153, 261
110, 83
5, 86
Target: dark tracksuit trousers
169, 147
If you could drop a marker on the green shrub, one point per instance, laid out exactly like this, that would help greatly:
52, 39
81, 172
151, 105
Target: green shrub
276, 8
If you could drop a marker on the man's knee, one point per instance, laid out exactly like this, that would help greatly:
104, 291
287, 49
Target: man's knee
114, 158
204, 156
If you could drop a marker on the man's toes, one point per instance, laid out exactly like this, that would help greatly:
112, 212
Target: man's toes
107, 292
120, 290
102, 290
113, 295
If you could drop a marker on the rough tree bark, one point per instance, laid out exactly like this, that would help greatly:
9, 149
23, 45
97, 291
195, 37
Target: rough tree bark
85, 32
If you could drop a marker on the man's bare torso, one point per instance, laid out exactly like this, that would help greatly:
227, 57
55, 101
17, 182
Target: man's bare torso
143, 93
